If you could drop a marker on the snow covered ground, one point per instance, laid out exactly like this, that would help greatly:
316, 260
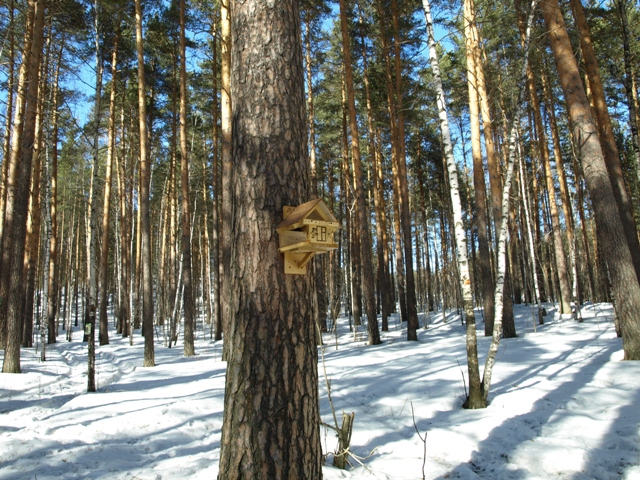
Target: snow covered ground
563, 406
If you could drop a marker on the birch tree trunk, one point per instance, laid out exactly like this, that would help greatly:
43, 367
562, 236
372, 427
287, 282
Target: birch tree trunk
475, 399
502, 237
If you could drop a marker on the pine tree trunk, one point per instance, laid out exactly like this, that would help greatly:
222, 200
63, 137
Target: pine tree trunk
34, 217
18, 176
54, 246
106, 205
318, 265
624, 281
187, 273
6, 144
405, 214
605, 129
145, 225
271, 415
621, 5
486, 275
364, 252
227, 169
216, 194
124, 314
561, 264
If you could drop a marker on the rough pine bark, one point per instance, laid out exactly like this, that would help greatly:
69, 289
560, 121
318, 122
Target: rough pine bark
610, 232
145, 224
18, 187
605, 130
271, 416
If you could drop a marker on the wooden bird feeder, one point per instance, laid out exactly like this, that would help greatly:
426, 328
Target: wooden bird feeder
305, 231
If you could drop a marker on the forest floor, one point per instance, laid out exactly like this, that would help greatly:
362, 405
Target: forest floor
563, 405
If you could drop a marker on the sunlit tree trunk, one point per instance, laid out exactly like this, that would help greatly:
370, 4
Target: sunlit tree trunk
603, 122
318, 264
34, 216
6, 145
227, 167
271, 413
145, 225
124, 313
484, 262
475, 399
18, 177
624, 281
54, 246
106, 205
393, 126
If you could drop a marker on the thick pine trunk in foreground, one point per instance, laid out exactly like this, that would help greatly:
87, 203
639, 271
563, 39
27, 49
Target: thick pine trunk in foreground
271, 416
611, 237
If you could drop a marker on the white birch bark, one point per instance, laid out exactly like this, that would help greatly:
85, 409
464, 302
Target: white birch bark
475, 398
502, 237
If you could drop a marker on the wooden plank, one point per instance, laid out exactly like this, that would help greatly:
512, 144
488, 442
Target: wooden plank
291, 264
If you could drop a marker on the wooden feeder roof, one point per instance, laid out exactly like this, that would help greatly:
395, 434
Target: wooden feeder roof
314, 212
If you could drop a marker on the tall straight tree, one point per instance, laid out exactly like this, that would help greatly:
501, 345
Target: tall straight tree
363, 222
475, 399
479, 186
106, 206
271, 414
610, 232
18, 176
92, 223
227, 166
187, 275
145, 224
402, 182
605, 130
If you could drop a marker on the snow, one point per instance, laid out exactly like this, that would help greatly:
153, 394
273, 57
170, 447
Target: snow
563, 405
